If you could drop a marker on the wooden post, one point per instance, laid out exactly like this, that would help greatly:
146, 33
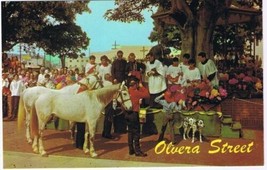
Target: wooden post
115, 46
143, 51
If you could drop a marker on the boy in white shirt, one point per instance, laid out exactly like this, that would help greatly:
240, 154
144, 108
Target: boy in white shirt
173, 73
91, 64
184, 64
183, 67
192, 74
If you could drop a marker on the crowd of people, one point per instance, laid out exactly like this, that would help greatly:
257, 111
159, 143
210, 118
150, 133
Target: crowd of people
147, 81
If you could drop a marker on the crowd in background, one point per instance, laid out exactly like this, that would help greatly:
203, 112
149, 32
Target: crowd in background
160, 79
156, 75
174, 73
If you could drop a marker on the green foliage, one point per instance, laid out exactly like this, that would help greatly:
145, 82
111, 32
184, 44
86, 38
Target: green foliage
170, 36
64, 39
228, 39
130, 10
233, 37
48, 25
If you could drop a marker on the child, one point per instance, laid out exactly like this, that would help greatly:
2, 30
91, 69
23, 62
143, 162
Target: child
192, 74
48, 83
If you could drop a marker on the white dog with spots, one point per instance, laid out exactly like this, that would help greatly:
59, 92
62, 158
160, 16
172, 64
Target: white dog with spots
195, 125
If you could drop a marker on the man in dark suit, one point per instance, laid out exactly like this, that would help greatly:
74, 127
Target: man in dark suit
118, 71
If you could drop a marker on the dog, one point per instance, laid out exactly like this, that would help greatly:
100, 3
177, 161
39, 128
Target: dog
200, 126
185, 125
195, 125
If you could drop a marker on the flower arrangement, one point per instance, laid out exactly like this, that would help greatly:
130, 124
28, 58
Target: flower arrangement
244, 86
205, 93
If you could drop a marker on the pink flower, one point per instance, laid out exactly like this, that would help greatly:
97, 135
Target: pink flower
211, 97
241, 75
255, 79
247, 79
233, 81
223, 92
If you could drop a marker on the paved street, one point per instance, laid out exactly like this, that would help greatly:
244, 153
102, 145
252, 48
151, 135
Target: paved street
114, 153
30, 160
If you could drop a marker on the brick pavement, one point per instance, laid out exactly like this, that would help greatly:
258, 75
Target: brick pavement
57, 143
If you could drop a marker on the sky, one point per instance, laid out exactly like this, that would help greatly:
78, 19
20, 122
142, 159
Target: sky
103, 33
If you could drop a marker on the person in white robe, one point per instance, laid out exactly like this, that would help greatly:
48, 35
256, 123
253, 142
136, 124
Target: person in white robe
173, 73
183, 68
104, 68
192, 74
184, 64
208, 69
156, 78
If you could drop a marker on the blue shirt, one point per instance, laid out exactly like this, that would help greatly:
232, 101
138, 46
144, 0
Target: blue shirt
168, 107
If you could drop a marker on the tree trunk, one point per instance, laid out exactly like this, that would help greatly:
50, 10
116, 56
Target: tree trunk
197, 31
197, 36
204, 32
187, 37
62, 59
